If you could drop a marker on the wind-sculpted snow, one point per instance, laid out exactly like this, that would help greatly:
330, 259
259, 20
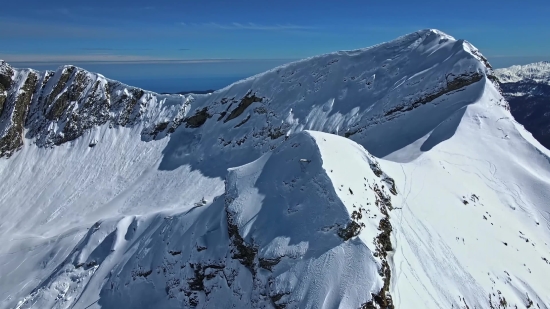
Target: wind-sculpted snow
273, 239
116, 197
473, 225
353, 93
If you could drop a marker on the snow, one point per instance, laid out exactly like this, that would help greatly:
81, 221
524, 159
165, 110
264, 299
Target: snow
452, 253
308, 190
538, 72
230, 214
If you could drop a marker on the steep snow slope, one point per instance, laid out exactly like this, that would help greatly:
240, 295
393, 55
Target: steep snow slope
473, 228
114, 197
275, 238
527, 89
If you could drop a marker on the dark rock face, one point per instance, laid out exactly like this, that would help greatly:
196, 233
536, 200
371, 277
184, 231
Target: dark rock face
58, 107
530, 105
6, 73
243, 105
198, 119
15, 112
80, 101
56, 103
3, 96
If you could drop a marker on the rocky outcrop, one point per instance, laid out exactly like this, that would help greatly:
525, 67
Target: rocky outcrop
246, 101
14, 114
77, 101
6, 73
56, 107
453, 83
198, 119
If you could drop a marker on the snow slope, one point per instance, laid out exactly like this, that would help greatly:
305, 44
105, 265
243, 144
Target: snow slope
474, 225
116, 197
229, 252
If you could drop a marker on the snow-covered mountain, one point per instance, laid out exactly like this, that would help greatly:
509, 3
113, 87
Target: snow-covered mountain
537, 72
387, 177
527, 89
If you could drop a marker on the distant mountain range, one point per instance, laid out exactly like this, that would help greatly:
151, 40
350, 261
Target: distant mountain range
527, 89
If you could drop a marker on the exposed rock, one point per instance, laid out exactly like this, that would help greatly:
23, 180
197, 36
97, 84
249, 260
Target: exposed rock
6, 75
159, 127
268, 263
453, 84
3, 96
198, 119
248, 99
56, 104
275, 300
351, 230
243, 122
128, 103
382, 299
245, 253
12, 140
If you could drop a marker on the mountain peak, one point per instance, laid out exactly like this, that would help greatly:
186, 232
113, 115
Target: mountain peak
6, 72
276, 191
375, 85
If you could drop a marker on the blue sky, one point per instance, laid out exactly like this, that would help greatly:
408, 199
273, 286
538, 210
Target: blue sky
141, 40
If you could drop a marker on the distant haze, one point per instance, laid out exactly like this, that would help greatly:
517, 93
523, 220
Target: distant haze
172, 76
175, 77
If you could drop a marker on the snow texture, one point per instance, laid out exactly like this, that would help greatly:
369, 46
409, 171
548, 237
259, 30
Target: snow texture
392, 176
537, 72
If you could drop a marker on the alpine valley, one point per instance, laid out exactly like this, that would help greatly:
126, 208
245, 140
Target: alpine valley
387, 177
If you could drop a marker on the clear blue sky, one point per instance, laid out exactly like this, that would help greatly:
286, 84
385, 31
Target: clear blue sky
138, 39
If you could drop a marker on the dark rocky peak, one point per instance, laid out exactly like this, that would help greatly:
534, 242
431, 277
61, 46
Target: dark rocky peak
6, 75
14, 106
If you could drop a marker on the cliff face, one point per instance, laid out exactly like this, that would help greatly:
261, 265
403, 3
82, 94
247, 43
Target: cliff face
58, 107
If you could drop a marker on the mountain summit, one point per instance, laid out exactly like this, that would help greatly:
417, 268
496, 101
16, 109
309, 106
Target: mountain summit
387, 177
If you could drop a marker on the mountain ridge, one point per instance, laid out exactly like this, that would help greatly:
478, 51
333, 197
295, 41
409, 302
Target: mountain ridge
406, 184
70, 101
